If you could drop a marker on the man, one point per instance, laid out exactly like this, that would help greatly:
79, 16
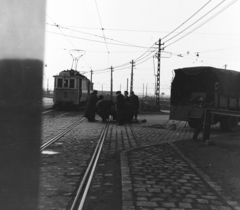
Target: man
120, 108
104, 108
134, 100
127, 98
90, 106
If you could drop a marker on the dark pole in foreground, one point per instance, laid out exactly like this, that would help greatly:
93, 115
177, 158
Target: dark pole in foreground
21, 71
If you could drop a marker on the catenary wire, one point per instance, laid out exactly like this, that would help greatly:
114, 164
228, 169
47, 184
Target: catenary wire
96, 40
102, 29
187, 19
204, 22
66, 38
94, 35
195, 21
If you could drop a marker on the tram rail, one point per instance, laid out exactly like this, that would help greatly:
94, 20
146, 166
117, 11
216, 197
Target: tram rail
83, 188
47, 111
57, 137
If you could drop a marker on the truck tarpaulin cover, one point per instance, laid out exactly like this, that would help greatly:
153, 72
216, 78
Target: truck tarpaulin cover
229, 80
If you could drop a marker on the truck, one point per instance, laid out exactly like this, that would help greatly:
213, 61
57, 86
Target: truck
194, 89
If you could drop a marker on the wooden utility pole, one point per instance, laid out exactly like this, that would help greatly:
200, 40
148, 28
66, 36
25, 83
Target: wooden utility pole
158, 55
111, 83
131, 85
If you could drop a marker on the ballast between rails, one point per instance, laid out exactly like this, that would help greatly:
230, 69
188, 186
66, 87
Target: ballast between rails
51, 141
82, 191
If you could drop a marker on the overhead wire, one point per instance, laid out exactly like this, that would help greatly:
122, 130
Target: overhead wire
231, 3
96, 36
148, 54
61, 31
147, 57
187, 19
66, 37
102, 30
196, 21
192, 24
175, 29
76, 37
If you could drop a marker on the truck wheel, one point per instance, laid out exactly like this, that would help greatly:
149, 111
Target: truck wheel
228, 123
193, 123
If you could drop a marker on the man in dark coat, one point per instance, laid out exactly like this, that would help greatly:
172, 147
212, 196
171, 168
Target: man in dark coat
120, 108
104, 108
127, 98
90, 106
134, 104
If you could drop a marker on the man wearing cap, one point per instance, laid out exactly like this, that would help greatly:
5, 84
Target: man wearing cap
120, 108
134, 100
90, 106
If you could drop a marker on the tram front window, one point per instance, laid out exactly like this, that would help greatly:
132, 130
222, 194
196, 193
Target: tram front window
66, 83
59, 83
71, 83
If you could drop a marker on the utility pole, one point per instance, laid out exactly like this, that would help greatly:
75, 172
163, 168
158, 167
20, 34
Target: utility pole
131, 85
158, 55
91, 75
111, 83
146, 89
143, 90
127, 84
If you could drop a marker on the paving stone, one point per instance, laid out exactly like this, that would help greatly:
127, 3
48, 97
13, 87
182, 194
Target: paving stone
155, 175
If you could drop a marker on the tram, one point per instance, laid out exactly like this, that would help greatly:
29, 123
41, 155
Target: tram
71, 90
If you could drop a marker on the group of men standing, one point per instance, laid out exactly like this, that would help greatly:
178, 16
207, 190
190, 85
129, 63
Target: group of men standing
123, 110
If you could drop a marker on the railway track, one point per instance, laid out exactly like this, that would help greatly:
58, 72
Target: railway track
83, 188
47, 111
55, 138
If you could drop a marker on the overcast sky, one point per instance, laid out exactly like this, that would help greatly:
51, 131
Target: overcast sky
209, 29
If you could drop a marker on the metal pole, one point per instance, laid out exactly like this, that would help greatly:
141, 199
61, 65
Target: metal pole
158, 76
131, 86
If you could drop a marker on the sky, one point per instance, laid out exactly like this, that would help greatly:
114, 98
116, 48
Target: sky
112, 33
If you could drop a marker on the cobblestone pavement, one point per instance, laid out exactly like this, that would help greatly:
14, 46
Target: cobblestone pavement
56, 121
152, 174
63, 163
160, 177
